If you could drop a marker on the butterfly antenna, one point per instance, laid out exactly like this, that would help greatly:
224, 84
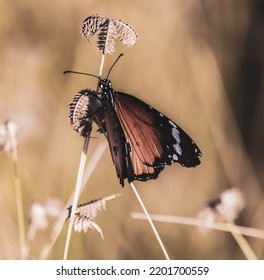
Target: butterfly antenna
80, 73
113, 65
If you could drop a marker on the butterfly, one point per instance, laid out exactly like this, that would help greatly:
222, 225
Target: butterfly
142, 140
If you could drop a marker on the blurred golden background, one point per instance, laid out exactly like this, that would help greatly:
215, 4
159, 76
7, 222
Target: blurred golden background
198, 62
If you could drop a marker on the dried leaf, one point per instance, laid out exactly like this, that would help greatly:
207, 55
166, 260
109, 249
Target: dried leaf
86, 213
109, 29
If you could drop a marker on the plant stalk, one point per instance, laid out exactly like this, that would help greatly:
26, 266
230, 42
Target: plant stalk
150, 221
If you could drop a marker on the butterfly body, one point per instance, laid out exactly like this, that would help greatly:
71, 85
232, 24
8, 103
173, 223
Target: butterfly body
142, 140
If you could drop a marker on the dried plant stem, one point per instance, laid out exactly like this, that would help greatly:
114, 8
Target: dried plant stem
235, 230
32, 231
251, 232
101, 67
60, 222
76, 195
54, 235
241, 241
80, 177
19, 203
20, 214
150, 221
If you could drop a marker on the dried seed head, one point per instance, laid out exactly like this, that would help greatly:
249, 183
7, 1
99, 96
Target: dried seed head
38, 216
232, 205
227, 208
108, 30
83, 106
85, 214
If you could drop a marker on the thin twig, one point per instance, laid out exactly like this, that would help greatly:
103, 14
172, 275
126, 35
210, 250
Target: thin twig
150, 221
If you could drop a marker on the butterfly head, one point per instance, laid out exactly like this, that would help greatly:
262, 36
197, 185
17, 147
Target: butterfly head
105, 85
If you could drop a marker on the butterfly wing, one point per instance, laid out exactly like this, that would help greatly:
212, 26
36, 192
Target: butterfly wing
155, 140
127, 164
119, 148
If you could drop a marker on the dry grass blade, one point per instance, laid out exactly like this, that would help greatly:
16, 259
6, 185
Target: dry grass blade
85, 213
109, 29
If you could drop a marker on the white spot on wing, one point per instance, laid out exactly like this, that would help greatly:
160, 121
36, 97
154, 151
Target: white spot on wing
175, 157
176, 134
178, 149
172, 123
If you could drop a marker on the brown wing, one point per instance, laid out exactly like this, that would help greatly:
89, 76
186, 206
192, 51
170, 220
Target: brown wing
155, 140
118, 146
140, 130
142, 135
127, 163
